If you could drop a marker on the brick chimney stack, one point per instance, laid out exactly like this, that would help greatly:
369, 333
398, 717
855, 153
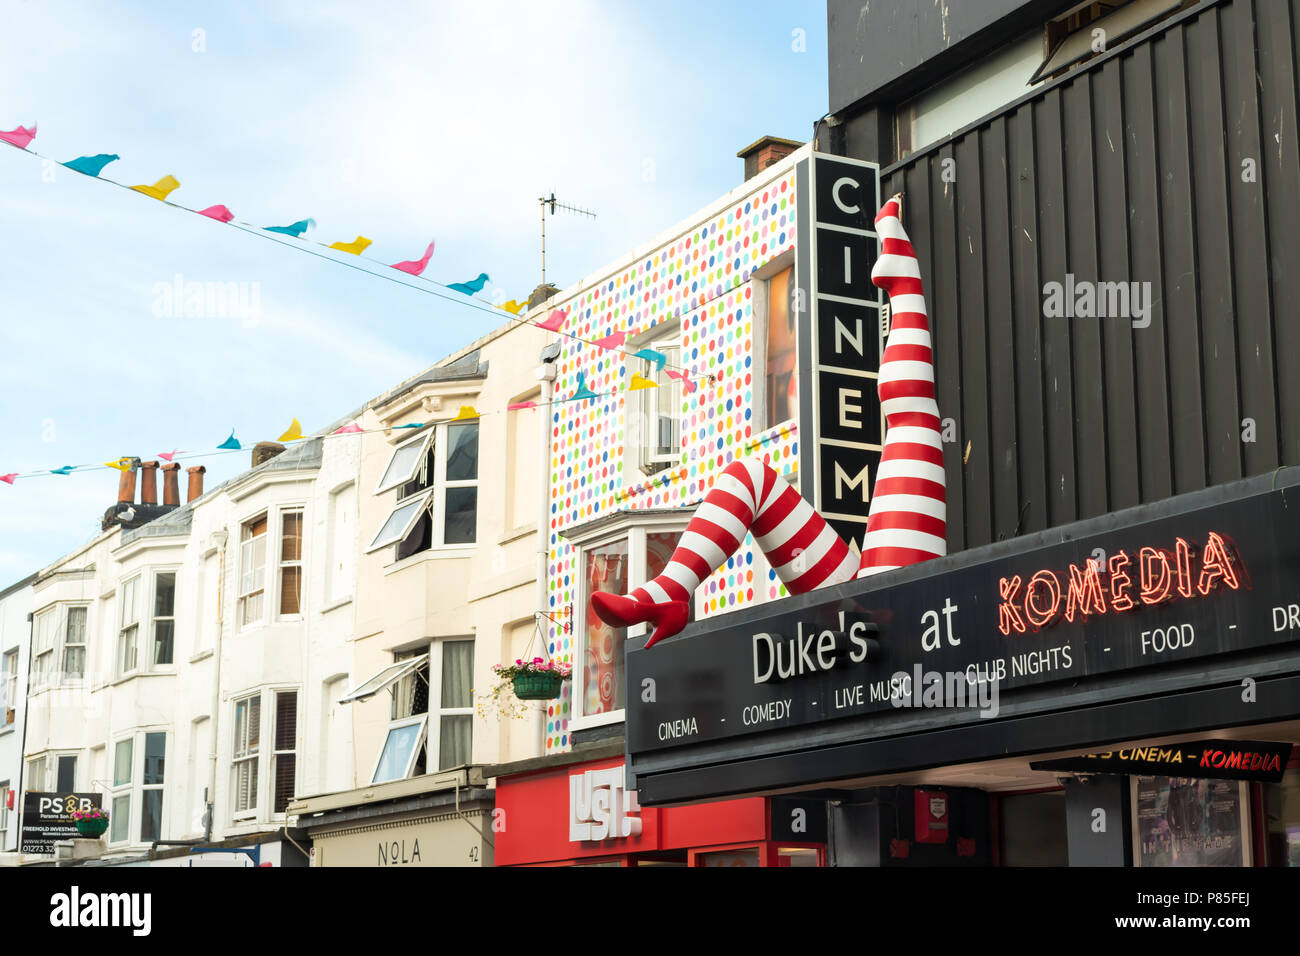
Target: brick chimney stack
149, 483
196, 482
171, 483
764, 152
126, 484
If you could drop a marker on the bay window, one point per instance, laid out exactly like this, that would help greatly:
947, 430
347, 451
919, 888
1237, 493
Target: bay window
431, 721
616, 563
435, 476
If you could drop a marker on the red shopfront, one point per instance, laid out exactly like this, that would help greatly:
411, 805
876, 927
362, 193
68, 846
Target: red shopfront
580, 815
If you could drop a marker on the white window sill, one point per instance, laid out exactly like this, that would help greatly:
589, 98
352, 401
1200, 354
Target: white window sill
433, 554
202, 655
289, 619
594, 721
335, 605
8, 729
132, 675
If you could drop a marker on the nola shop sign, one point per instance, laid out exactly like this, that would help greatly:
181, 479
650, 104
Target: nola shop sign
1208, 580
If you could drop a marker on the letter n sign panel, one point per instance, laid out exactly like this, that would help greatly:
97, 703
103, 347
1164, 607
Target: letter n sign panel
847, 337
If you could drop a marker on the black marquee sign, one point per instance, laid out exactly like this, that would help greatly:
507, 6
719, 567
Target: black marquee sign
1208, 581
846, 340
1263, 762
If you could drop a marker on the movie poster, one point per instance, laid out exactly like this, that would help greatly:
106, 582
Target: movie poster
1184, 821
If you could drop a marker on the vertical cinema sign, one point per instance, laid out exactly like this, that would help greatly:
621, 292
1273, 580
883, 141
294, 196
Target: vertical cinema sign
848, 427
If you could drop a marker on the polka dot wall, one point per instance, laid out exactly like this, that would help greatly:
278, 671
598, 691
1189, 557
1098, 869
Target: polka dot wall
700, 281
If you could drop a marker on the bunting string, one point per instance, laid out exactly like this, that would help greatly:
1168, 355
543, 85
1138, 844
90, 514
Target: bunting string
463, 292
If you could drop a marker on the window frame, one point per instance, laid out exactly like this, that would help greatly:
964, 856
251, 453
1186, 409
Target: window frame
9, 684
4, 815
665, 338
422, 437
420, 740
153, 618
142, 788
41, 670
635, 535
30, 775
243, 619
242, 756
282, 564
761, 312
433, 757
118, 791
65, 644
277, 754
132, 583
133, 790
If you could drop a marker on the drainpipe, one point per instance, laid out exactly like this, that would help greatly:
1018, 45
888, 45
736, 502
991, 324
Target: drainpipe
221, 536
546, 374
19, 797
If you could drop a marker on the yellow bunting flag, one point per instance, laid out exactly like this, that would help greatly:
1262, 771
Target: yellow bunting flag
122, 464
160, 189
514, 307
467, 413
356, 247
293, 434
640, 382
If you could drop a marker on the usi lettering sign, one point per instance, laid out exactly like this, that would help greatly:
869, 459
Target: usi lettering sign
846, 324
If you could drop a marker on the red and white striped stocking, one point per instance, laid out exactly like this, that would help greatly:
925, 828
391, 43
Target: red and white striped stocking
748, 496
907, 520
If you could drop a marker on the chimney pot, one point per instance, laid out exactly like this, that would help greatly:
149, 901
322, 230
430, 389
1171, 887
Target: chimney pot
126, 484
149, 483
765, 152
196, 482
171, 483
265, 451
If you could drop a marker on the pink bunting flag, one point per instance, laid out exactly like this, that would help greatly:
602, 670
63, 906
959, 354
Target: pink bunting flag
554, 320
687, 385
518, 405
347, 429
611, 341
167, 455
416, 266
219, 213
9, 478
19, 137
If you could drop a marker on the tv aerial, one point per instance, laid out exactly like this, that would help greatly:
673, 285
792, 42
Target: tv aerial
556, 204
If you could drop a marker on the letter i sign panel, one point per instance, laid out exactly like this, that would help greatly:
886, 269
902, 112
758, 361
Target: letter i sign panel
847, 427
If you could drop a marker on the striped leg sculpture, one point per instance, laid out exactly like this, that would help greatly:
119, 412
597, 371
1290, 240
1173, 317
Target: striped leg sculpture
748, 496
907, 522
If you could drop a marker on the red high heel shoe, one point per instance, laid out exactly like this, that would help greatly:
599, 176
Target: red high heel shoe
619, 610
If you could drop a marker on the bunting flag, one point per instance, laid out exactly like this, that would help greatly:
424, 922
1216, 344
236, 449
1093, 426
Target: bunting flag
472, 286
232, 442
9, 478
639, 382
65, 470
554, 320
296, 230
352, 429
292, 433
416, 266
19, 137
583, 391
413, 425
687, 385
467, 413
167, 455
651, 355
92, 165
161, 189
122, 464
219, 213
613, 341
356, 246
518, 405
514, 307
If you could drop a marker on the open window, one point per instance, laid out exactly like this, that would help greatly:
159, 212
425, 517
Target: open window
402, 748
405, 462
401, 521
1092, 28
385, 679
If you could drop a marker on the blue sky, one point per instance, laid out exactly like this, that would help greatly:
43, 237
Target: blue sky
402, 122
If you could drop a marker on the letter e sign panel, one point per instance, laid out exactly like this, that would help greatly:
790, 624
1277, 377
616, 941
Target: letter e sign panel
847, 338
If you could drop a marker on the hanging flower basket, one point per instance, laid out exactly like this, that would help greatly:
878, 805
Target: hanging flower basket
533, 680
538, 686
91, 823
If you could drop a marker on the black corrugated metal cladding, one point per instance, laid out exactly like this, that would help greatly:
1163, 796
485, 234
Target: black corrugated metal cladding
1173, 163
